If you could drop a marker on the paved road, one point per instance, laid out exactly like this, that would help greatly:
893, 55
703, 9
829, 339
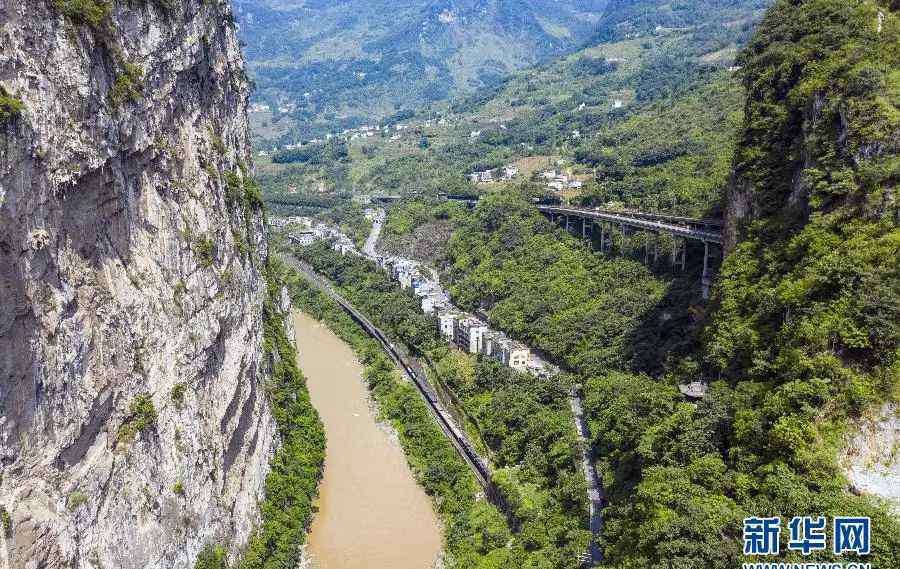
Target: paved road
374, 234
595, 486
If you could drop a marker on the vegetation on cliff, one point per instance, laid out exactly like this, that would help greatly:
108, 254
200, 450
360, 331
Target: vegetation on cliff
10, 106
801, 335
296, 468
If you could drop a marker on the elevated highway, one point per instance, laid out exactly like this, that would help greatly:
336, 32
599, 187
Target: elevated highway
706, 230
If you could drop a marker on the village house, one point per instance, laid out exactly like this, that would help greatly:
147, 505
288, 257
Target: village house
433, 302
513, 354
447, 324
405, 278
468, 334
490, 343
482, 177
422, 287
303, 238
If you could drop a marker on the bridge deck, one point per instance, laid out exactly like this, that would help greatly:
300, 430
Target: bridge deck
699, 229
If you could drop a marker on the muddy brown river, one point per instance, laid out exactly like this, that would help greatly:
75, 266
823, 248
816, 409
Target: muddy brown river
372, 514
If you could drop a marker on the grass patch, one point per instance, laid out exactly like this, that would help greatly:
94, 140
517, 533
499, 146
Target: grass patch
10, 107
141, 415
77, 499
177, 394
6, 520
204, 248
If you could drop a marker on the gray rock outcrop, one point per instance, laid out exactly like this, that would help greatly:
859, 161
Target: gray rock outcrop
134, 426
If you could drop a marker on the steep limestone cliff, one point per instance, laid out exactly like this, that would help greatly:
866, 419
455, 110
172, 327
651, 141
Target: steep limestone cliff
134, 427
808, 302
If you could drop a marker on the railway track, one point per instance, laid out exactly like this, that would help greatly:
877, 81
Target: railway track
416, 374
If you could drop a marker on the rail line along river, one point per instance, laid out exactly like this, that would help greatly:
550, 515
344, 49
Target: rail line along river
372, 514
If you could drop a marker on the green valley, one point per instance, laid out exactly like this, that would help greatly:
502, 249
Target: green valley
786, 129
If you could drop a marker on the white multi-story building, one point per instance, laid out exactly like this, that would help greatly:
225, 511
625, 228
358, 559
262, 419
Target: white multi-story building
447, 324
469, 333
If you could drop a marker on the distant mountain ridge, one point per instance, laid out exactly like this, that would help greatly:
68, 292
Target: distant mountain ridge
327, 62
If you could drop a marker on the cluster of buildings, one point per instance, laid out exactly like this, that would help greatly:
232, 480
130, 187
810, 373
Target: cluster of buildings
557, 181
469, 333
504, 174
363, 132
265, 108
474, 336
305, 232
300, 221
423, 282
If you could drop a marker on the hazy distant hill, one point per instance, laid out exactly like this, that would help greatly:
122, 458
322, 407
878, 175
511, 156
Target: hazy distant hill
355, 60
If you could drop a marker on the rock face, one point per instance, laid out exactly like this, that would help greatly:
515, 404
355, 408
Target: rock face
871, 455
134, 427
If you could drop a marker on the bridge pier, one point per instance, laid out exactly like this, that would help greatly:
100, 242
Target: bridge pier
680, 228
706, 280
679, 254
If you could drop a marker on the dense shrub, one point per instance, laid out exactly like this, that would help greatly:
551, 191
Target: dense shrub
10, 106
296, 468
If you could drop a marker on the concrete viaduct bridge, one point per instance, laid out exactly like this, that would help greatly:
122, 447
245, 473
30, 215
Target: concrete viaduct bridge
707, 231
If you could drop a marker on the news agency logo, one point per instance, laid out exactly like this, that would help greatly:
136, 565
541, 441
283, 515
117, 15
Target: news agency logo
808, 534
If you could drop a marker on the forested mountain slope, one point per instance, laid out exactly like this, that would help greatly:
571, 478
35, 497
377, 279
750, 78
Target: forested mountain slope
801, 338
341, 61
645, 118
